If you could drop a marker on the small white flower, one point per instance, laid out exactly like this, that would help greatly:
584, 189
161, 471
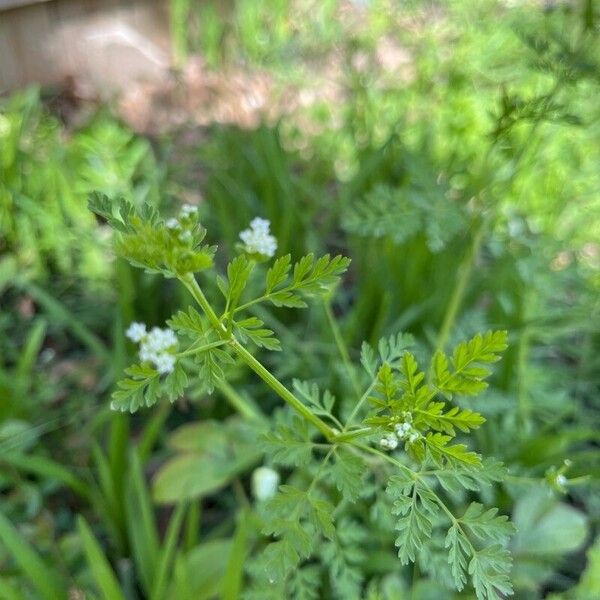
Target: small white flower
260, 225
188, 210
156, 348
185, 236
164, 363
402, 429
257, 238
172, 224
392, 443
264, 483
561, 480
389, 442
414, 436
136, 331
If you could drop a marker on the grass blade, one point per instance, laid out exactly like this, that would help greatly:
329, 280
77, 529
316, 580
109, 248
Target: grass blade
45, 580
101, 570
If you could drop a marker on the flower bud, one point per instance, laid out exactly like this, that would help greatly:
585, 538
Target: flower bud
264, 483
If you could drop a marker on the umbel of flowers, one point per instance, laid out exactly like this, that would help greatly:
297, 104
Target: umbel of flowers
157, 346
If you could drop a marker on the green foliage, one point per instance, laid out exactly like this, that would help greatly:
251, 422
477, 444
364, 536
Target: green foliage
466, 197
308, 278
144, 387
146, 242
403, 401
403, 213
468, 360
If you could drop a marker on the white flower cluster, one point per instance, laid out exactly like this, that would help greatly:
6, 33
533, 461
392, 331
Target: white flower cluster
156, 346
257, 238
179, 224
404, 432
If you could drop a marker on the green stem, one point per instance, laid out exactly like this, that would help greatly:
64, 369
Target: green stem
281, 390
197, 349
192, 285
354, 412
341, 346
240, 404
464, 274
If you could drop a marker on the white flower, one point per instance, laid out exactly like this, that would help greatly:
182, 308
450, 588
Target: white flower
185, 236
257, 238
188, 210
392, 443
156, 346
264, 483
561, 480
136, 331
414, 436
389, 442
402, 429
164, 363
172, 224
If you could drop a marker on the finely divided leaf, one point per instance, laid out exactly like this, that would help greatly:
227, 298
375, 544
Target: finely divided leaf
467, 371
251, 329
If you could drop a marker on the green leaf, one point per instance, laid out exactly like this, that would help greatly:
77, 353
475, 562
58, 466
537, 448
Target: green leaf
547, 527
146, 242
43, 578
468, 373
251, 329
305, 583
238, 272
198, 575
344, 556
441, 453
211, 364
211, 454
432, 416
278, 273
384, 212
144, 387
346, 472
189, 323
489, 570
101, 570
486, 525
413, 377
321, 404
309, 278
470, 477
139, 389
416, 507
289, 443
458, 554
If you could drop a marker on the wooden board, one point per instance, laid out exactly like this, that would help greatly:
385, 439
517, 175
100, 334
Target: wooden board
103, 43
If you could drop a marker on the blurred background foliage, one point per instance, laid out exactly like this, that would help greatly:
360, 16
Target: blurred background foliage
450, 149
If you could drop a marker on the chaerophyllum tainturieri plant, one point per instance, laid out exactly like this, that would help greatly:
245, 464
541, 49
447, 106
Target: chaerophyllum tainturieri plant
395, 448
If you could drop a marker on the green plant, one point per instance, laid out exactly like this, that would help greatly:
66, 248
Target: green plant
406, 409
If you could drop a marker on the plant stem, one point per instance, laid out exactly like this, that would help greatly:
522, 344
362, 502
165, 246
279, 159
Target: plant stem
197, 349
341, 346
281, 390
238, 402
358, 407
464, 274
192, 285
